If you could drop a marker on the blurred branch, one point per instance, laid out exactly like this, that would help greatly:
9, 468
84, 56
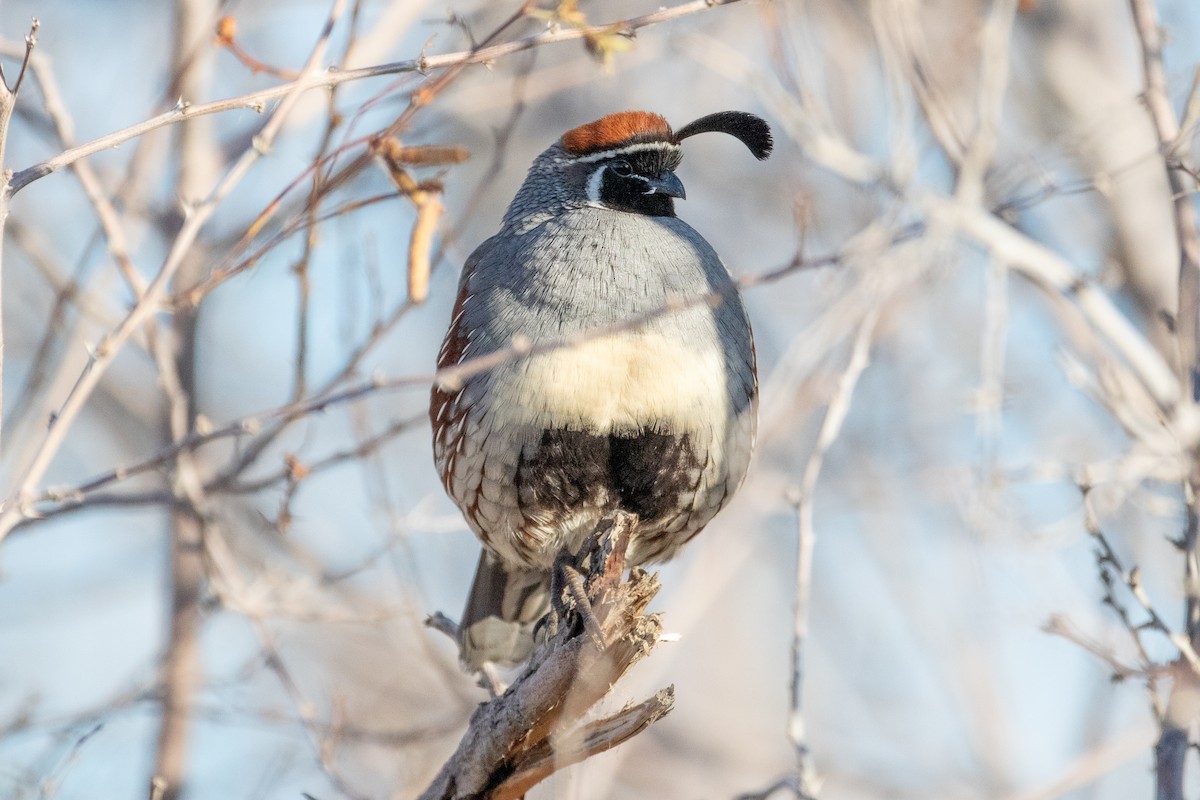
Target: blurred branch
64, 130
174, 345
317, 193
61, 333
1098, 761
993, 80
1058, 625
1166, 125
322, 736
1180, 716
900, 34
274, 420
1028, 257
536, 727
8, 103
1046, 269
59, 326
805, 782
313, 79
14, 507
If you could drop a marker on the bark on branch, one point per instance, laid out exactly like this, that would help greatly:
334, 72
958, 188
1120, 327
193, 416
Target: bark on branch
1181, 712
536, 727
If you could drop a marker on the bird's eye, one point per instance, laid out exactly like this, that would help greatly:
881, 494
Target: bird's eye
621, 167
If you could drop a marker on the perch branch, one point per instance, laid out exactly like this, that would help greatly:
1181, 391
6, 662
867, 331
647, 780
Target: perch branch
516, 740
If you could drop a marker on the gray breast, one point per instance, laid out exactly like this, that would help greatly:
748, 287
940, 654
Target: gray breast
656, 418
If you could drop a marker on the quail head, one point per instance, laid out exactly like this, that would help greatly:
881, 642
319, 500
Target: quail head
653, 414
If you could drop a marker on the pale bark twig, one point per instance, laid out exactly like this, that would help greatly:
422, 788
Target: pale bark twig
13, 509
1172, 747
1166, 125
993, 80
312, 79
807, 783
8, 103
174, 346
1028, 257
328, 397
1060, 626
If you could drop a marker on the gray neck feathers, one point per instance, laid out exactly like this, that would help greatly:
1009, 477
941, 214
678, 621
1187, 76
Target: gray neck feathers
544, 194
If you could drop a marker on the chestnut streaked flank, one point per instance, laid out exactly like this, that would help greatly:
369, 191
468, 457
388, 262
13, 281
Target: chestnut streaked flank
657, 419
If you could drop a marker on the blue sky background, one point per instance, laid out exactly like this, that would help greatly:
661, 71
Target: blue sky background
940, 554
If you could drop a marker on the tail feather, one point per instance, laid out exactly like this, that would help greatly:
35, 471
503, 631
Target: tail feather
502, 610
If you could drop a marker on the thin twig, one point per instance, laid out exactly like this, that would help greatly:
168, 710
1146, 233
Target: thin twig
314, 80
327, 397
1172, 747
1111, 566
13, 508
808, 784
8, 103
997, 35
1166, 125
174, 346
1059, 625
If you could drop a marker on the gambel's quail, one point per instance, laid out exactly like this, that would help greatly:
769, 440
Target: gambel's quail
655, 414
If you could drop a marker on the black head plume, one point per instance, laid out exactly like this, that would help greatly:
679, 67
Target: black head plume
752, 131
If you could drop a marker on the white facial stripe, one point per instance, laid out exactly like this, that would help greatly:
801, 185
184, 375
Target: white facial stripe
640, 147
593, 185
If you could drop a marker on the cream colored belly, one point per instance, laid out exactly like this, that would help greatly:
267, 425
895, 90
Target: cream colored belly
624, 382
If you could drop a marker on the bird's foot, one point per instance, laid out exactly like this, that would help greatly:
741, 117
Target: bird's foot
569, 593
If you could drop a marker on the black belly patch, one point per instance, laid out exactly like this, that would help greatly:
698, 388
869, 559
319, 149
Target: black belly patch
568, 471
653, 475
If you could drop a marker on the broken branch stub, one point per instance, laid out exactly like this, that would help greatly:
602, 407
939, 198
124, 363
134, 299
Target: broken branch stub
537, 726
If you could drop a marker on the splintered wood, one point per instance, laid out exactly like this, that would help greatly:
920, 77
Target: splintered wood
537, 726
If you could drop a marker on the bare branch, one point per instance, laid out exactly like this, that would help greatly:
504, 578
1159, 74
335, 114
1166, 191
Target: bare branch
1172, 747
13, 508
174, 348
1150, 40
535, 728
997, 35
806, 781
1059, 625
313, 79
8, 103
